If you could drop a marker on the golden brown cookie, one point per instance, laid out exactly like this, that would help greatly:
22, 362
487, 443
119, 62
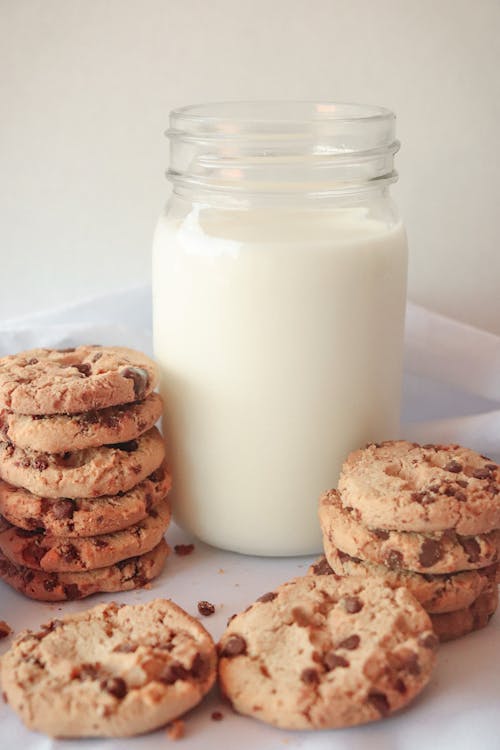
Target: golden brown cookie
83, 517
453, 625
403, 486
323, 652
58, 433
433, 552
436, 593
114, 670
75, 554
56, 587
75, 380
92, 472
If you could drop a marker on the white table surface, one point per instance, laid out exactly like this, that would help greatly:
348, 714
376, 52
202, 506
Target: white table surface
452, 392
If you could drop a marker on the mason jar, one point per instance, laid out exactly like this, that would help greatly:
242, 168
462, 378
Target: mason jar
279, 284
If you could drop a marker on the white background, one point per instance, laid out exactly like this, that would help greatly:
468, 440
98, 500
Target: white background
86, 87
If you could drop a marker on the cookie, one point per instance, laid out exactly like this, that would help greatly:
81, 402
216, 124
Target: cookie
111, 671
72, 555
436, 593
59, 433
57, 587
83, 517
436, 552
453, 625
403, 486
325, 652
92, 472
71, 381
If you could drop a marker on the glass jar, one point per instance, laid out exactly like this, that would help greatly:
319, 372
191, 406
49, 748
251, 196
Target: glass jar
279, 284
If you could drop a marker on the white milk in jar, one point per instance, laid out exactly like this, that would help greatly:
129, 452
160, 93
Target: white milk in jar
279, 278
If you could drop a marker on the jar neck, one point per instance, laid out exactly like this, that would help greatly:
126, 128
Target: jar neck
269, 150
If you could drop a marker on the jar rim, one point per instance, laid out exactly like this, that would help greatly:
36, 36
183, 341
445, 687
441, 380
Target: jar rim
278, 112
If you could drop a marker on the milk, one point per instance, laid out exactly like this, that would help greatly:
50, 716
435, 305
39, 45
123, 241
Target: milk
279, 338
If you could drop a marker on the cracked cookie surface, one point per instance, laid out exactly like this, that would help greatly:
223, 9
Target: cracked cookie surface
74, 380
114, 670
58, 433
56, 587
42, 551
433, 552
92, 472
436, 593
83, 517
323, 652
403, 486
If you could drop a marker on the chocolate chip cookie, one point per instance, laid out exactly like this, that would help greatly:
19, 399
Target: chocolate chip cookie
433, 552
42, 551
58, 433
324, 652
71, 381
403, 486
113, 671
436, 593
453, 625
56, 587
92, 472
83, 517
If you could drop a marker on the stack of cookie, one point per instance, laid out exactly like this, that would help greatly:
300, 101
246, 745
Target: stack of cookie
83, 484
423, 517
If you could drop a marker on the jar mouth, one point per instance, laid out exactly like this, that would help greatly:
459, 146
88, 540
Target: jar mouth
281, 145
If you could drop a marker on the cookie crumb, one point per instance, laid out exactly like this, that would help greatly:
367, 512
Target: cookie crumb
176, 730
217, 716
183, 549
206, 608
5, 629
221, 570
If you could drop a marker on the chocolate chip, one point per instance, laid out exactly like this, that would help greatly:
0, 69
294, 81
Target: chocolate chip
33, 361
183, 549
454, 466
381, 534
430, 552
410, 662
100, 543
300, 617
322, 568
173, 672
353, 604
429, 641
33, 553
331, 660
66, 351
420, 497
267, 597
234, 646
309, 676
97, 357
393, 559
216, 716
200, 667
63, 508
140, 379
69, 553
86, 671
40, 463
205, 608
115, 686
129, 447
460, 496
472, 548
5, 630
379, 701
71, 591
51, 582
481, 473
400, 686
350, 643
84, 368
158, 475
